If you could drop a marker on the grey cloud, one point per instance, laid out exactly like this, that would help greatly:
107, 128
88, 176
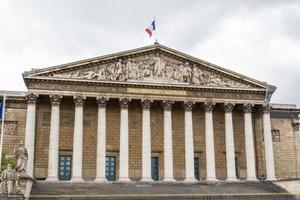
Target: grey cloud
43, 33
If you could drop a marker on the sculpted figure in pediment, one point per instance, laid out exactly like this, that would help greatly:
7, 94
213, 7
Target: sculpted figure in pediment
198, 78
159, 66
146, 70
215, 80
132, 70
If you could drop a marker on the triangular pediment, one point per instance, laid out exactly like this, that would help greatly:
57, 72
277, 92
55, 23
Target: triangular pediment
155, 64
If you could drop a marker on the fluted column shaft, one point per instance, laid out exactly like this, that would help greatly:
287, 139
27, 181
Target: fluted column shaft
77, 140
189, 142
30, 131
209, 144
269, 153
249, 143
146, 141
230, 153
54, 138
101, 140
124, 146
168, 142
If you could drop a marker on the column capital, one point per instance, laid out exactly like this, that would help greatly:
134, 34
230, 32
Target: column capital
79, 100
124, 102
55, 99
266, 108
31, 98
167, 104
248, 107
146, 103
209, 106
102, 101
188, 105
228, 107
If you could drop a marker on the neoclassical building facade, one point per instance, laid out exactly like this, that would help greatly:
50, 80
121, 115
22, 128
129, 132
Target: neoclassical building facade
151, 114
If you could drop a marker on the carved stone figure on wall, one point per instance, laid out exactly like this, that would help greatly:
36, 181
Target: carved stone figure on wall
101, 73
89, 75
198, 78
132, 70
9, 181
186, 72
22, 157
159, 66
215, 80
119, 71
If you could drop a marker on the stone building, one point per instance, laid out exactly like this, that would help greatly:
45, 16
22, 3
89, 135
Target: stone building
151, 113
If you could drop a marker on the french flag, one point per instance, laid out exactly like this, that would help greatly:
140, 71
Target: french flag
151, 28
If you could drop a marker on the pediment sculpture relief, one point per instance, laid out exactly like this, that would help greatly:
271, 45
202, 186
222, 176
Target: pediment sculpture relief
153, 69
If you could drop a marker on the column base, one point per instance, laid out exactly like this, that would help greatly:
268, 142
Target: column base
190, 180
169, 179
100, 180
52, 179
252, 179
146, 179
124, 179
77, 179
231, 179
212, 179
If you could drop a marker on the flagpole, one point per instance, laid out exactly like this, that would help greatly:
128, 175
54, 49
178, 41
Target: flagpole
156, 40
2, 128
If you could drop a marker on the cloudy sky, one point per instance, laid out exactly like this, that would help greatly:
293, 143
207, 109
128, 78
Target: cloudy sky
257, 38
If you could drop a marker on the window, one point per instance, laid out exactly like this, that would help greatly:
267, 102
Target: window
65, 167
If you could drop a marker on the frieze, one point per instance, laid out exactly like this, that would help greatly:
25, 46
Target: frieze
152, 68
222, 94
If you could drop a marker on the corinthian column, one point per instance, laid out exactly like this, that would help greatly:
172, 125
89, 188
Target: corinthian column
124, 175
269, 154
168, 143
77, 140
230, 154
30, 131
249, 142
189, 142
209, 144
101, 140
54, 138
146, 154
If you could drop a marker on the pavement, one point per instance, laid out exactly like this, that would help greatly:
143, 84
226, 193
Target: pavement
43, 190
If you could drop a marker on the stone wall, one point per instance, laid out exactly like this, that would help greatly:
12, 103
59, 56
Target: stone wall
285, 149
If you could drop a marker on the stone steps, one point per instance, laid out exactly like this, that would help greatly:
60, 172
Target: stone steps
137, 191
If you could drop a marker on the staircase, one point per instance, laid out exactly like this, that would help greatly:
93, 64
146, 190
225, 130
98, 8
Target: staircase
141, 191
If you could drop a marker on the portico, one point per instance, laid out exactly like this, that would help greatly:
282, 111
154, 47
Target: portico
147, 103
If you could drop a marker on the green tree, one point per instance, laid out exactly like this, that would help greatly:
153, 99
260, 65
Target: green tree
7, 160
